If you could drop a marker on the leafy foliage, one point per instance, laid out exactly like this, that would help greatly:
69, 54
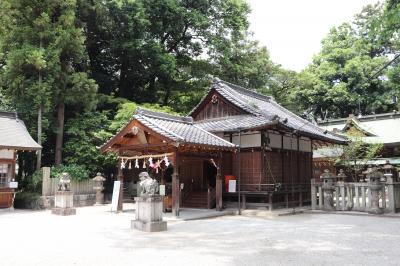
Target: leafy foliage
341, 79
356, 155
77, 172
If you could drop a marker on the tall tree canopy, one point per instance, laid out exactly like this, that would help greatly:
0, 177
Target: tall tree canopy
45, 63
341, 79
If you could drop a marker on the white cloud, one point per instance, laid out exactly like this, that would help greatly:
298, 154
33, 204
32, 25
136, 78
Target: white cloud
292, 30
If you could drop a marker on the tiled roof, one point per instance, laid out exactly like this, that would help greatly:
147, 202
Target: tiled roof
380, 128
234, 123
265, 108
13, 133
178, 129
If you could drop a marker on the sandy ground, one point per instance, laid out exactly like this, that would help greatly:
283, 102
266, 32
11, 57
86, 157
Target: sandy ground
96, 236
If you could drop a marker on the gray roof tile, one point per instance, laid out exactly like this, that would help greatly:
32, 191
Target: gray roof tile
13, 133
266, 108
179, 129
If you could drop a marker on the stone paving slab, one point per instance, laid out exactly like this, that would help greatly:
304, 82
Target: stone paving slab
96, 236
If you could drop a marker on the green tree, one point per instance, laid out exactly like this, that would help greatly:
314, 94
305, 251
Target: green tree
45, 62
341, 80
356, 155
149, 51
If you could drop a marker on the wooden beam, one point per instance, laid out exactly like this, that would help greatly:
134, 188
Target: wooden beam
218, 184
175, 185
121, 187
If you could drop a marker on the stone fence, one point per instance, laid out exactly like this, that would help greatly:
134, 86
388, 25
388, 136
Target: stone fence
356, 196
84, 192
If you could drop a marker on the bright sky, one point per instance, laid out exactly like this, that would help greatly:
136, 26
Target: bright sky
292, 30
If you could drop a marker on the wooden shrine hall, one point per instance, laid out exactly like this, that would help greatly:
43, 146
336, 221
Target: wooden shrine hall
233, 132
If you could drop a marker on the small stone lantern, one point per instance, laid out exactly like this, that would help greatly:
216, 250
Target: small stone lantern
328, 186
388, 170
98, 186
375, 185
341, 176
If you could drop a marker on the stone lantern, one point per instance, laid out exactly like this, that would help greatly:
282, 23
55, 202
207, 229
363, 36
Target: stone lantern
98, 186
328, 186
375, 185
388, 170
341, 176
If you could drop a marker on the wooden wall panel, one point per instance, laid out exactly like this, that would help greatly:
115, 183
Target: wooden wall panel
273, 167
251, 170
219, 108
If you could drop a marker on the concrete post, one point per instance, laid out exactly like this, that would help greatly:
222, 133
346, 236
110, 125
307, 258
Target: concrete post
313, 195
391, 196
46, 180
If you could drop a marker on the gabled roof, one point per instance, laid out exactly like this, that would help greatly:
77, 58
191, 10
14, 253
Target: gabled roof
177, 129
13, 133
266, 110
381, 128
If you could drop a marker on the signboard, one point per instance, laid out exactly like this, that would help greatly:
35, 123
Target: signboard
13, 184
115, 196
232, 186
162, 190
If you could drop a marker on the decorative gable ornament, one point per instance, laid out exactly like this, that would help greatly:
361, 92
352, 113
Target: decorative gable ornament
214, 99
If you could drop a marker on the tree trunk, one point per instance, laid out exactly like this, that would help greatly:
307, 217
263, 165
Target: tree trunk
60, 133
39, 121
39, 134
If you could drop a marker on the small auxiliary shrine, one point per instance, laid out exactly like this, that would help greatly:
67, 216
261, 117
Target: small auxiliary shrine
173, 150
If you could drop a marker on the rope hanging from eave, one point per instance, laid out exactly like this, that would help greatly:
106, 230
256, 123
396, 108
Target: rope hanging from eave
145, 156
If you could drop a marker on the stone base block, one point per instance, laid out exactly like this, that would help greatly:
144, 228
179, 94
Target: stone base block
63, 211
149, 226
376, 211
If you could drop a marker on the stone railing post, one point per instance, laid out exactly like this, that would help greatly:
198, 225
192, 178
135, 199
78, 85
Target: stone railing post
342, 200
391, 195
46, 181
313, 195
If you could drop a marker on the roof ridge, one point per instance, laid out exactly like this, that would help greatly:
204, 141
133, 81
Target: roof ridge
164, 116
9, 114
253, 93
162, 128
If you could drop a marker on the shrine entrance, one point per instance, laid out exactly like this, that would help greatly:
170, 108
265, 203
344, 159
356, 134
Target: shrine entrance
209, 175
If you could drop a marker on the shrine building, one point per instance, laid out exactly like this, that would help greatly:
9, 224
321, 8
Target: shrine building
232, 134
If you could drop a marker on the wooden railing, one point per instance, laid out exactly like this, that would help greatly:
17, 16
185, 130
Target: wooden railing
356, 196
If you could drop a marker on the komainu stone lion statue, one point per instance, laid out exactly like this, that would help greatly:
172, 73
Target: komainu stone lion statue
64, 183
148, 185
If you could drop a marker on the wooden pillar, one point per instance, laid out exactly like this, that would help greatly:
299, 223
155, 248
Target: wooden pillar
13, 165
121, 187
218, 185
175, 186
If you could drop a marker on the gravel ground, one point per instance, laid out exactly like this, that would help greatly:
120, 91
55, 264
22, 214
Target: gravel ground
97, 237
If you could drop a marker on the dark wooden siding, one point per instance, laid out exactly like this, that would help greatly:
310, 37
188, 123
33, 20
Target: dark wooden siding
220, 108
280, 166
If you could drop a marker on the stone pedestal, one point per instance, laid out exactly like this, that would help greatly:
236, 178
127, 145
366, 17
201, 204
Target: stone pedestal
64, 203
375, 189
375, 186
328, 188
99, 197
149, 213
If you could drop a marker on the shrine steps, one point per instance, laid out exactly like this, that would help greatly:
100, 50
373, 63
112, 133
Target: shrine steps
196, 199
